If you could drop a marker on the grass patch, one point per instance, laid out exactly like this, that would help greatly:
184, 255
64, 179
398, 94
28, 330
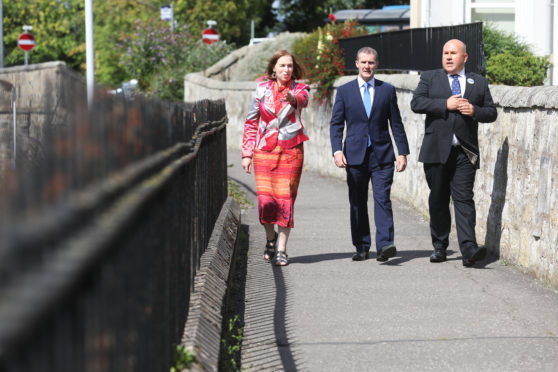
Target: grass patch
233, 311
236, 192
230, 346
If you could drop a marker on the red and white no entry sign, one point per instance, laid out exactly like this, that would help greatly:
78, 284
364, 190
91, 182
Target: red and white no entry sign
26, 42
210, 36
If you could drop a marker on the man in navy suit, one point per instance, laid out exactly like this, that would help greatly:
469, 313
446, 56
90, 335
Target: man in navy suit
454, 103
367, 107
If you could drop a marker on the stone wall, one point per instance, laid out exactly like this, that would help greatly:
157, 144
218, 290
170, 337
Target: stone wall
515, 189
46, 93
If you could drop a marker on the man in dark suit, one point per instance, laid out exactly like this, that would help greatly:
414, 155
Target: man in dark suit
367, 107
454, 103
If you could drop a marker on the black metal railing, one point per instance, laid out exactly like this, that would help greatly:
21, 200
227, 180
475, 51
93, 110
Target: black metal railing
101, 232
418, 49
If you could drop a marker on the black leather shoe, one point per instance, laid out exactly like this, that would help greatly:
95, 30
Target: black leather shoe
360, 256
386, 253
478, 255
439, 255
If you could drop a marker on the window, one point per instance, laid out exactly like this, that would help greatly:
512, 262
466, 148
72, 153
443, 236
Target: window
500, 13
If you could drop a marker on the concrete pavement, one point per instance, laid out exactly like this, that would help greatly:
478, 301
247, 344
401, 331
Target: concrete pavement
325, 312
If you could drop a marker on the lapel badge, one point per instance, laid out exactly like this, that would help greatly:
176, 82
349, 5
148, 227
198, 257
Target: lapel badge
470, 81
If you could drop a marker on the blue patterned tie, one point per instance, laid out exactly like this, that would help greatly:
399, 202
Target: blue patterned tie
367, 105
455, 87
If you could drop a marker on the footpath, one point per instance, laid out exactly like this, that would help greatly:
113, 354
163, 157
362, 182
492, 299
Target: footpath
324, 312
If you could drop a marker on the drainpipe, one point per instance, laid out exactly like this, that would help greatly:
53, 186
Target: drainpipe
551, 15
426, 22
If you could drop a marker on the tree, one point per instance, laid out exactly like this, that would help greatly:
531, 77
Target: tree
159, 58
233, 17
114, 24
58, 28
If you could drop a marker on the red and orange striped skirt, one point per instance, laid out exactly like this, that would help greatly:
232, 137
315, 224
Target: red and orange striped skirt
277, 178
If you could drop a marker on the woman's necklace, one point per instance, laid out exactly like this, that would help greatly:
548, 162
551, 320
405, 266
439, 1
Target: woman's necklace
280, 92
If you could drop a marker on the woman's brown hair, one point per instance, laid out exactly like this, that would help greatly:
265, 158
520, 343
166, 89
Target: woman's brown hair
298, 71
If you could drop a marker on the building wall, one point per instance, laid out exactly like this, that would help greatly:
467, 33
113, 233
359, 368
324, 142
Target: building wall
516, 189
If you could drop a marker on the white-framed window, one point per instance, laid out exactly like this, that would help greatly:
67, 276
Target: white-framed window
500, 13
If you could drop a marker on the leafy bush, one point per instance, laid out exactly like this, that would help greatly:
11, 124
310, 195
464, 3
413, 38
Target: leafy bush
322, 58
522, 70
183, 359
509, 61
159, 58
497, 42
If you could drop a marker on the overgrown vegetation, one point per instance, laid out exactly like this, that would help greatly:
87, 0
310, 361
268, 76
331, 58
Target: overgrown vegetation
59, 30
509, 61
231, 344
159, 58
238, 194
183, 359
322, 58
233, 312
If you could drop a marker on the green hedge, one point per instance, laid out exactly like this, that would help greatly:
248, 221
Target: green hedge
509, 61
524, 70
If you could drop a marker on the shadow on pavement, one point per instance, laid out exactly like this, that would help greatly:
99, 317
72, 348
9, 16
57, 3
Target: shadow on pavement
280, 324
320, 257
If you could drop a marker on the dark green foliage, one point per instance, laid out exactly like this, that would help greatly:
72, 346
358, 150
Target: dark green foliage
497, 41
231, 345
58, 28
524, 69
183, 359
509, 61
159, 58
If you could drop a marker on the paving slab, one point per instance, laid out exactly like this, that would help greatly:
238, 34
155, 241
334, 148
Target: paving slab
324, 312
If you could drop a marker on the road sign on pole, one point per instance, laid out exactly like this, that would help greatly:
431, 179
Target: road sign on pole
166, 13
26, 42
210, 35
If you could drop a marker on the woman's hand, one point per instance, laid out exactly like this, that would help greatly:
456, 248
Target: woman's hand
291, 98
247, 164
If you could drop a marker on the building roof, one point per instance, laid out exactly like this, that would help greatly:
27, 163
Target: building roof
389, 15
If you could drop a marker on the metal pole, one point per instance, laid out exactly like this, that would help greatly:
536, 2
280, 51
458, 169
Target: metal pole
89, 51
1, 33
26, 58
15, 125
172, 18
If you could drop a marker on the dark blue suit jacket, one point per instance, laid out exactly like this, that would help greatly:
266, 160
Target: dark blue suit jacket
348, 109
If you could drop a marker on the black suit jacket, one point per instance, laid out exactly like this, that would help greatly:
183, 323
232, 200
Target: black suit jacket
430, 98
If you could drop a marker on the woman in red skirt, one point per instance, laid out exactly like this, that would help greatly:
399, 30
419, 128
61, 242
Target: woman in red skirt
272, 142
